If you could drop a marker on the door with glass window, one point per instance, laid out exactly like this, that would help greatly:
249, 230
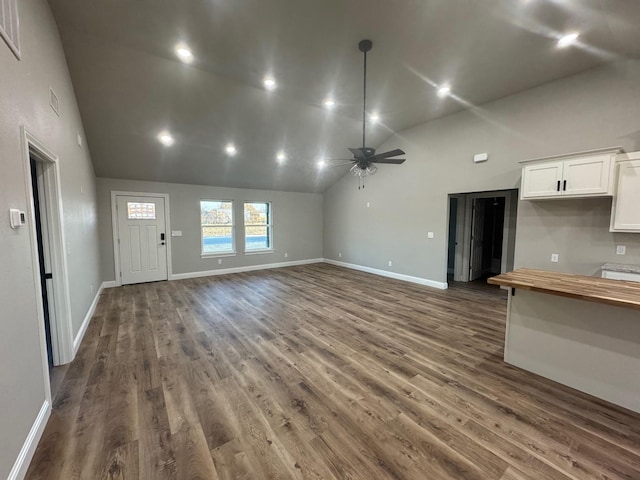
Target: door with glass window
141, 237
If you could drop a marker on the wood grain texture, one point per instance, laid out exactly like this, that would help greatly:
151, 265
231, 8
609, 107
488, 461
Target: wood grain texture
618, 293
317, 372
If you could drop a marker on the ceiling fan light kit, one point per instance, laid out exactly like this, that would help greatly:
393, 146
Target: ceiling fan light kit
365, 157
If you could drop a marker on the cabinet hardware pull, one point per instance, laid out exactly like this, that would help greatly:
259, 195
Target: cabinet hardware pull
558, 186
564, 186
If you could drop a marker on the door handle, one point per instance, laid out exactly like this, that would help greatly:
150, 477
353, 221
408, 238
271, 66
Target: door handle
162, 239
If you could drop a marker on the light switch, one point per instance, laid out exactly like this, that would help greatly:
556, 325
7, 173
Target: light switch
430, 235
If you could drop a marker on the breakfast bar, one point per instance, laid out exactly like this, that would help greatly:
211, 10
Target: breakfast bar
580, 331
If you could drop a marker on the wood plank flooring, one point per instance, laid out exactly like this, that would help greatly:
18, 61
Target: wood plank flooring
318, 372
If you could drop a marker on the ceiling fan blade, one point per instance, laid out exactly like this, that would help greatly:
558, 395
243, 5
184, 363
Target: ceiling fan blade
394, 161
392, 153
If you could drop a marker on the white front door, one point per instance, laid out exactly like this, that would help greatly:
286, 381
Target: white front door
141, 239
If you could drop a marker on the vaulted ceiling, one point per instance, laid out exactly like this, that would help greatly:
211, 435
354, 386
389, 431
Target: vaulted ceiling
131, 85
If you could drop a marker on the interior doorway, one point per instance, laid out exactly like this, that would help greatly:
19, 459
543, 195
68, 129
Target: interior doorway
481, 234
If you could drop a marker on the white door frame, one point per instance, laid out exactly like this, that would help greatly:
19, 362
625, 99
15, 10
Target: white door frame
464, 255
59, 304
114, 229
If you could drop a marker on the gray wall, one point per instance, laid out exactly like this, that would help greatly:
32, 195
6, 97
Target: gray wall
596, 109
24, 100
297, 224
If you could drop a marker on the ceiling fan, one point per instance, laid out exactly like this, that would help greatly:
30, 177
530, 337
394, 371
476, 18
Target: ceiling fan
365, 158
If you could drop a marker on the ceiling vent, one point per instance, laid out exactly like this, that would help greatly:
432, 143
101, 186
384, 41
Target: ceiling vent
54, 102
10, 25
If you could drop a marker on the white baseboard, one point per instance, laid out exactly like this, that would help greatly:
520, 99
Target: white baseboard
21, 464
87, 319
385, 273
109, 284
250, 268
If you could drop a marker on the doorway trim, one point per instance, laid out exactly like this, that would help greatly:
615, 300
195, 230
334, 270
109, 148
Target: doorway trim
114, 230
61, 326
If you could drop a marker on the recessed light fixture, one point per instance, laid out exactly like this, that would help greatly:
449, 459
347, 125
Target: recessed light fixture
166, 139
184, 54
269, 83
444, 91
321, 163
374, 117
230, 149
281, 157
329, 103
568, 39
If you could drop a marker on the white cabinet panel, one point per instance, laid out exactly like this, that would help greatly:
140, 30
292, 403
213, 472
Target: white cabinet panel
542, 179
625, 215
633, 277
587, 176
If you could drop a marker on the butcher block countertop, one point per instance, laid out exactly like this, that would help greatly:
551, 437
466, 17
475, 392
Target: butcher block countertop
593, 289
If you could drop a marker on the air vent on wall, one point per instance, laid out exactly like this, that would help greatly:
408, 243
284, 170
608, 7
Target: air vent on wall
10, 25
54, 102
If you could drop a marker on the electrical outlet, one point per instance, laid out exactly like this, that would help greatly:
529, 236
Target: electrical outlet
92, 289
340, 255
219, 261
621, 249
368, 204
430, 235
390, 263
555, 258
286, 255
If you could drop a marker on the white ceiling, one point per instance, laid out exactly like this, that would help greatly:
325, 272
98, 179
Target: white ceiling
130, 84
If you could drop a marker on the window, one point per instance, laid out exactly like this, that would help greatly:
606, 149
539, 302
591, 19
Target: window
257, 226
10, 25
216, 221
141, 211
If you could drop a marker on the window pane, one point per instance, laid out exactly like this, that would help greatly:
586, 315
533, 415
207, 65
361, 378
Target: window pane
257, 238
216, 213
217, 239
141, 211
256, 213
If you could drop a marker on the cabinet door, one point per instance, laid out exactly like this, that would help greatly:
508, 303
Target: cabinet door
542, 179
587, 176
626, 204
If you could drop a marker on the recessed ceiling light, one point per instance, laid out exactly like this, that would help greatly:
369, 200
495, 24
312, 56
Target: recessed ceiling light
374, 117
329, 103
321, 163
184, 54
230, 149
568, 39
166, 139
444, 90
269, 83
281, 157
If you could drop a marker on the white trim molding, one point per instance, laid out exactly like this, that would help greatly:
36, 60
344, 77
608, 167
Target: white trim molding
109, 284
21, 464
87, 319
385, 273
249, 268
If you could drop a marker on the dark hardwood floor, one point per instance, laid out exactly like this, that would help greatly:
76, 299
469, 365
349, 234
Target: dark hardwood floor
317, 372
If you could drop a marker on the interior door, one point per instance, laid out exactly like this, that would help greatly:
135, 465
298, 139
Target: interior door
477, 232
141, 239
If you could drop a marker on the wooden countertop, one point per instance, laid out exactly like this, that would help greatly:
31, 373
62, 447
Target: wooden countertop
593, 289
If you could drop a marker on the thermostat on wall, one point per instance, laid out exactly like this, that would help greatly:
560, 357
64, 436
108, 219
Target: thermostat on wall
17, 217
480, 157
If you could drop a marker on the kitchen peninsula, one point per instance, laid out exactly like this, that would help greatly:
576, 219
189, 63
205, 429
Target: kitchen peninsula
580, 331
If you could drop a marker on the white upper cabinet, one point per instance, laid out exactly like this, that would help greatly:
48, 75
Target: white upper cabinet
625, 214
585, 174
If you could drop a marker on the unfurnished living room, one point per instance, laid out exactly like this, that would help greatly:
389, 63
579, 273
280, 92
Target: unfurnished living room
340, 239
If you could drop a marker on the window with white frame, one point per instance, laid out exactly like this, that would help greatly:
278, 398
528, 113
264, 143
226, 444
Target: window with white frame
217, 226
258, 235
10, 25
